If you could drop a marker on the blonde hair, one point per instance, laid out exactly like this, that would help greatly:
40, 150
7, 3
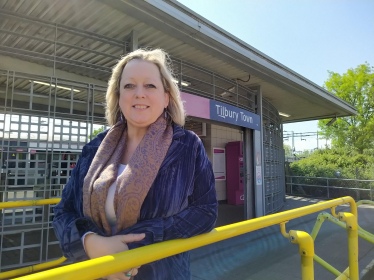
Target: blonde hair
161, 59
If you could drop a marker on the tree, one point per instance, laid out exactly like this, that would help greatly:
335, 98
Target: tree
96, 132
305, 153
326, 162
287, 150
357, 88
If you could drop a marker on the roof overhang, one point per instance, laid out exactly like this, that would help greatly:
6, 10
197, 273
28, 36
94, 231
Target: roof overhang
88, 37
288, 91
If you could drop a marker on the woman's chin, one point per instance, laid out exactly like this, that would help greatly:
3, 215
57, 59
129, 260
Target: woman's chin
140, 122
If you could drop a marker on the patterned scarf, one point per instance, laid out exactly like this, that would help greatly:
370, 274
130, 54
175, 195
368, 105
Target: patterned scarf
135, 181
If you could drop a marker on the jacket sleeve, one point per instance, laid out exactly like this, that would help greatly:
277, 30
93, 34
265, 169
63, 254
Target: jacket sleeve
198, 218
68, 224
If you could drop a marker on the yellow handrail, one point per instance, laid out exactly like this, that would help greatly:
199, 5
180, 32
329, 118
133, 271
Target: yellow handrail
361, 233
31, 269
103, 266
37, 267
326, 216
23, 203
364, 202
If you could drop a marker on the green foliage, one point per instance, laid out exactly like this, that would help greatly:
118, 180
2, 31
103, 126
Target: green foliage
325, 162
305, 153
287, 150
96, 132
357, 88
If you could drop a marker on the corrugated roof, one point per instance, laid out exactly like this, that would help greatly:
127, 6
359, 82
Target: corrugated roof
91, 35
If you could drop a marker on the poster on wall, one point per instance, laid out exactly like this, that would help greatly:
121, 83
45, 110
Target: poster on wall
219, 163
258, 175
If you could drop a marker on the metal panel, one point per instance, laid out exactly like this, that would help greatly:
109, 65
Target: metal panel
197, 127
249, 190
274, 183
42, 131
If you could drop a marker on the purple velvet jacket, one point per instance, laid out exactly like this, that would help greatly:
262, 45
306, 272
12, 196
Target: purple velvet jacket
180, 204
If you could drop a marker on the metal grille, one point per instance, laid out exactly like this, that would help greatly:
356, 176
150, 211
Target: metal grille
58, 46
274, 180
196, 127
85, 53
201, 82
44, 123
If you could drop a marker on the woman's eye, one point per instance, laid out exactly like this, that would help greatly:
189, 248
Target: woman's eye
128, 86
150, 86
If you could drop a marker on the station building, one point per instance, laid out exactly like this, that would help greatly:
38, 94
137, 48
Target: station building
55, 62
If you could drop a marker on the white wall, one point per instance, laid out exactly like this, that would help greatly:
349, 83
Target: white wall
218, 137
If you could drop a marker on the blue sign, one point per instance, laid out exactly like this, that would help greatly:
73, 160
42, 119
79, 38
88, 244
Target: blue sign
230, 114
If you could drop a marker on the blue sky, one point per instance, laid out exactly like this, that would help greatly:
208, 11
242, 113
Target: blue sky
310, 37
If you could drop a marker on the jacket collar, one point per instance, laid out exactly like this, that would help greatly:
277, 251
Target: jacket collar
175, 149
178, 131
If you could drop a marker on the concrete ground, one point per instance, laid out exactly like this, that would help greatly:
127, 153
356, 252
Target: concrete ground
266, 254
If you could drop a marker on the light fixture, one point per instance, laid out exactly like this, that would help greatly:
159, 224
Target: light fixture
230, 91
284, 114
52, 85
184, 83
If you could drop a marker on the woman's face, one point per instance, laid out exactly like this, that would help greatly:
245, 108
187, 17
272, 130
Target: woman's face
142, 96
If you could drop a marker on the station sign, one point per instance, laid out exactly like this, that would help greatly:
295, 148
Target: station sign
204, 108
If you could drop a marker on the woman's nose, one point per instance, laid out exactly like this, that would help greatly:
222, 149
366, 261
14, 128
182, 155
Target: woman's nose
139, 92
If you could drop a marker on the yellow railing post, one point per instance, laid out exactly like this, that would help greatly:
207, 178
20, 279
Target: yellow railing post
334, 214
351, 226
306, 250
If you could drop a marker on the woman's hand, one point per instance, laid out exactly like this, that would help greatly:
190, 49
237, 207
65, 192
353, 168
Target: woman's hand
97, 246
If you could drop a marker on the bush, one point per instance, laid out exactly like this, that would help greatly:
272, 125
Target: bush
326, 162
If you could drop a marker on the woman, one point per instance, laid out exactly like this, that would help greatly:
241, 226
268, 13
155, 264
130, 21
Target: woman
145, 180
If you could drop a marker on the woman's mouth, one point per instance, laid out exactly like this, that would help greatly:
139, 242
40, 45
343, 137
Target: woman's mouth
140, 107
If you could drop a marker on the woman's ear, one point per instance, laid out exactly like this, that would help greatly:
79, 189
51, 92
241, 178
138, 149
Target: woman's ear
167, 99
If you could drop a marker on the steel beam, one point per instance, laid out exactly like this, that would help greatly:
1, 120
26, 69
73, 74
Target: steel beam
62, 27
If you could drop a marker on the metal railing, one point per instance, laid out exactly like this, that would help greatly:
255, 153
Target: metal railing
322, 187
324, 216
37, 267
106, 265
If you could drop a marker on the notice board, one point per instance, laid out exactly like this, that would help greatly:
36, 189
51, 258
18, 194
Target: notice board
219, 163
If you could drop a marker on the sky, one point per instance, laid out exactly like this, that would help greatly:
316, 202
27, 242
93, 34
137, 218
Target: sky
309, 37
